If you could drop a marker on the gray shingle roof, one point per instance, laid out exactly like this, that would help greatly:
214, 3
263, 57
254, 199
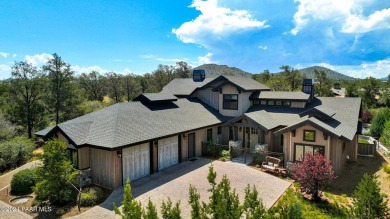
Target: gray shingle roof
281, 95
152, 97
343, 123
183, 86
246, 83
132, 122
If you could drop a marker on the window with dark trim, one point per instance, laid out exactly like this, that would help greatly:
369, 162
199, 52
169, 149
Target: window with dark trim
254, 131
309, 135
271, 102
263, 102
209, 134
256, 102
219, 130
73, 157
300, 150
287, 103
278, 103
230, 101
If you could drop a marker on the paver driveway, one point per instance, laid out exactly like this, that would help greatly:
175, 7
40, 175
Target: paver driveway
174, 183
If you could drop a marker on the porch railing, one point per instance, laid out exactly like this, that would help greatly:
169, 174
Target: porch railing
215, 150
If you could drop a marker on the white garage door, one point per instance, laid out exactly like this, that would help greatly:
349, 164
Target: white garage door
136, 162
168, 152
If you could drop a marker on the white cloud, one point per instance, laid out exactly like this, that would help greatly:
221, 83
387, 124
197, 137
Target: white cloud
5, 71
375, 21
377, 69
38, 59
147, 56
215, 21
14, 55
4, 54
171, 60
263, 47
205, 59
79, 70
347, 13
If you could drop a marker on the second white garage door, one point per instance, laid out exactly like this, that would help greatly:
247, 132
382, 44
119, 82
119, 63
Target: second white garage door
168, 152
136, 162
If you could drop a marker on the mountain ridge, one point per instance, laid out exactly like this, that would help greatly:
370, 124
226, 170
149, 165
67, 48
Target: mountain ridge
215, 70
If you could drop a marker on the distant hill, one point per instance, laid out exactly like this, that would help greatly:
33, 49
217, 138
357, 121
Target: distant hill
384, 79
333, 75
214, 70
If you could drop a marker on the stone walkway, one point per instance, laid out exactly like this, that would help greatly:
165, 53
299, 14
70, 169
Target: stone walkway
175, 181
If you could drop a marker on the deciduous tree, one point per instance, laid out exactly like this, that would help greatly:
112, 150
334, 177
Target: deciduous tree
313, 174
114, 81
56, 174
93, 84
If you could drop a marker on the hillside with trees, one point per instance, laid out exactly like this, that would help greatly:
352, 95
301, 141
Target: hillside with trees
332, 75
214, 70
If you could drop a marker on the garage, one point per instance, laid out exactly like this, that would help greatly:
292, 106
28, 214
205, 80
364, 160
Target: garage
136, 162
168, 152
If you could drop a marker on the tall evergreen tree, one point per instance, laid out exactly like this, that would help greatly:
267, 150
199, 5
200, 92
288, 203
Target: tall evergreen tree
368, 202
27, 91
131, 207
60, 99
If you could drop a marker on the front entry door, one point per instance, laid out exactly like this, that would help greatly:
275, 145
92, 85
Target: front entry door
191, 145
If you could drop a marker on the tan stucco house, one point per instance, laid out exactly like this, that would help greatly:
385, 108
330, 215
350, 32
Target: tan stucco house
156, 131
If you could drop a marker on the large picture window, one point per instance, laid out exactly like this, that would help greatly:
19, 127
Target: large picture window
301, 150
309, 135
230, 101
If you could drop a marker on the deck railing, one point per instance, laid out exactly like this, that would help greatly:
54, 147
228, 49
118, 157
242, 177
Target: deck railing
215, 150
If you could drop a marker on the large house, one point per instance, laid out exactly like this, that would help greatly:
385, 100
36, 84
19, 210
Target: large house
156, 131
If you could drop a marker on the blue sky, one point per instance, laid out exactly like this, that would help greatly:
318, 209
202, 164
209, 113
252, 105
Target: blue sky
349, 36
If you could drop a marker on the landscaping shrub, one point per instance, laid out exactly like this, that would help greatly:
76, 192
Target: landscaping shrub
378, 122
258, 158
386, 168
60, 212
91, 196
366, 117
225, 154
23, 182
15, 152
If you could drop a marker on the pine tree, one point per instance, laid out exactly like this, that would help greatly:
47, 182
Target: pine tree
368, 202
253, 205
131, 208
169, 211
150, 212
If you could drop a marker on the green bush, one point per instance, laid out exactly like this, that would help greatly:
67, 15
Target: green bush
378, 122
258, 158
91, 196
23, 182
386, 168
15, 152
60, 212
225, 154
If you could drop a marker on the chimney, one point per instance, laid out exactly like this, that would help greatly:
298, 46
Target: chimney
308, 88
337, 86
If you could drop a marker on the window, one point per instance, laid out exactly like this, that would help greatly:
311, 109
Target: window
219, 130
263, 102
233, 136
287, 103
278, 103
300, 150
271, 102
73, 157
309, 135
254, 131
230, 101
209, 134
306, 89
256, 102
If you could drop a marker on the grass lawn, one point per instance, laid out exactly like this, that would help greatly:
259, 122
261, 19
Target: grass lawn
363, 141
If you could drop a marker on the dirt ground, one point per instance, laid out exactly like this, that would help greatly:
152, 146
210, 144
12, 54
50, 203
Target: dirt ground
346, 183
